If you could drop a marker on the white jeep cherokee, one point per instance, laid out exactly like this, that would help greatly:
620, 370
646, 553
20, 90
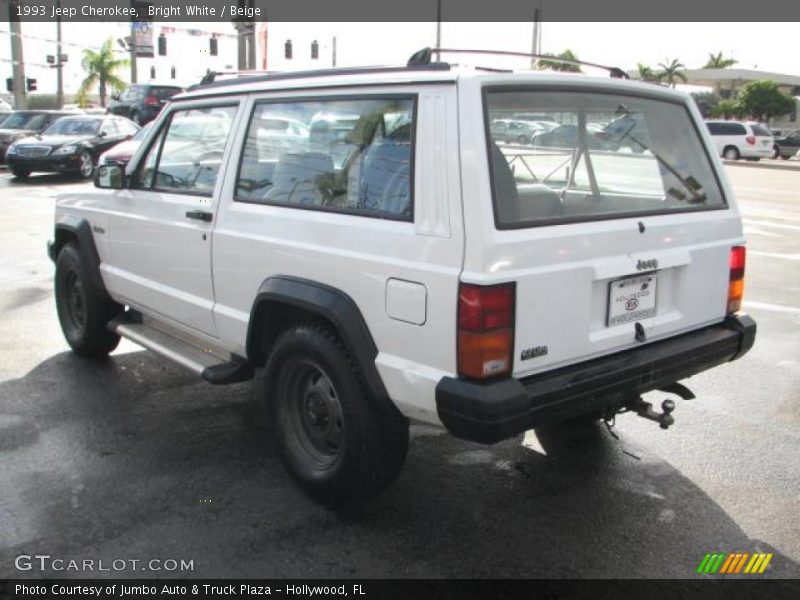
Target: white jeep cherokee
389, 260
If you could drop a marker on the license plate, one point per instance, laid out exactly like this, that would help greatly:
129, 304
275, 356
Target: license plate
632, 299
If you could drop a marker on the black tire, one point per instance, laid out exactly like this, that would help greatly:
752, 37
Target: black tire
20, 173
83, 310
522, 139
731, 153
786, 156
776, 151
330, 436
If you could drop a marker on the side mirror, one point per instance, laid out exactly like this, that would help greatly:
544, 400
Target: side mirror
109, 177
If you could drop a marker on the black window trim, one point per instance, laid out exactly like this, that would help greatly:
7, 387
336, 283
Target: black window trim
413, 96
164, 128
642, 94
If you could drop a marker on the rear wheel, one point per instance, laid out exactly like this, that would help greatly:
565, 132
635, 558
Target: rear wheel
20, 173
731, 153
785, 156
83, 310
330, 436
776, 152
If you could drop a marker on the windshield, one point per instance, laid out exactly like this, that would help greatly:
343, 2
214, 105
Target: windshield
24, 121
607, 156
74, 127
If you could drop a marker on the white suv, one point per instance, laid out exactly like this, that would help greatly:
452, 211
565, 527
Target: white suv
737, 139
413, 267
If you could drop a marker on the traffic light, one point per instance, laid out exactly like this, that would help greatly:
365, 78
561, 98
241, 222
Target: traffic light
162, 45
30, 84
10, 84
314, 49
212, 46
287, 49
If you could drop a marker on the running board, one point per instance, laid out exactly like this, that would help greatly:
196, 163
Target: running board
209, 365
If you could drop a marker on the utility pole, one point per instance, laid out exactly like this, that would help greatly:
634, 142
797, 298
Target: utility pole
17, 61
59, 63
132, 50
438, 25
333, 52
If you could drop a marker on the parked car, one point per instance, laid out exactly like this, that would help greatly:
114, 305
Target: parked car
70, 145
278, 134
738, 139
566, 136
513, 131
141, 102
121, 153
787, 145
429, 275
5, 109
22, 123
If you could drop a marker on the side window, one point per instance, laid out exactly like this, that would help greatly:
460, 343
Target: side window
353, 156
714, 128
186, 155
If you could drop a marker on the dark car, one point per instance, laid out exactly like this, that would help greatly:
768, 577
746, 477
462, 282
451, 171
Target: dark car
70, 145
141, 102
22, 123
787, 145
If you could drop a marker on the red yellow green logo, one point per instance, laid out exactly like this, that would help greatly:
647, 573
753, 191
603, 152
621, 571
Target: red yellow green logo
733, 563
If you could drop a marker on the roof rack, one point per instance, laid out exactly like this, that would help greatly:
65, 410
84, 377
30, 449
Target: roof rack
425, 56
209, 80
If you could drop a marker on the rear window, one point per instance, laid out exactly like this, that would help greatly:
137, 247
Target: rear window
761, 130
608, 156
162, 93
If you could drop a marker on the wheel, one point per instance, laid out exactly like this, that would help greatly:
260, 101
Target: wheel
332, 439
20, 173
731, 153
85, 164
522, 139
83, 310
785, 156
776, 152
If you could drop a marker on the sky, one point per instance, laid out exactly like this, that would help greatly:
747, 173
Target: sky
764, 46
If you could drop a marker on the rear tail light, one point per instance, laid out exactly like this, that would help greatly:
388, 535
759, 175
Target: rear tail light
485, 330
151, 101
736, 285
750, 139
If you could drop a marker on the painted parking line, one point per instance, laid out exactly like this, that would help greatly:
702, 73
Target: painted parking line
786, 256
791, 310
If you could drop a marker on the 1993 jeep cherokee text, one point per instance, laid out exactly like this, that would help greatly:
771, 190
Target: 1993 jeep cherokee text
386, 259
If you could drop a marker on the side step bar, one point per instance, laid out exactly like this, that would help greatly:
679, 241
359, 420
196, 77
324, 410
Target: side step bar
211, 367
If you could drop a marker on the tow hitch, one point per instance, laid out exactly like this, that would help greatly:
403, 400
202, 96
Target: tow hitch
664, 418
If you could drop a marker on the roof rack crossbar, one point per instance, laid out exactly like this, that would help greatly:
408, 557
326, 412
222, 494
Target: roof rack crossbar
259, 77
426, 54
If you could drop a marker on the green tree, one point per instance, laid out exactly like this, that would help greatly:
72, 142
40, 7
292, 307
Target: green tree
763, 99
706, 102
645, 73
101, 70
557, 65
672, 71
727, 109
717, 61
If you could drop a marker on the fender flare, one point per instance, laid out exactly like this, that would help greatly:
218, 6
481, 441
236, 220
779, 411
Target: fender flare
331, 304
69, 227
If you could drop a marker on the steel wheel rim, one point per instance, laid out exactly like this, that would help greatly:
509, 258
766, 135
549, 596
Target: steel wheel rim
75, 301
86, 164
313, 413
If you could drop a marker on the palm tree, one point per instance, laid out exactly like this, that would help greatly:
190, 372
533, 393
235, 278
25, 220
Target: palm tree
100, 70
557, 65
672, 71
645, 73
716, 61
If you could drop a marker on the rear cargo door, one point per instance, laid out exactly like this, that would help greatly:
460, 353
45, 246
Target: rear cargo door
614, 226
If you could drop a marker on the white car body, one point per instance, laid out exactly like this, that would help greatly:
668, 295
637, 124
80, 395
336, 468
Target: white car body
750, 140
200, 279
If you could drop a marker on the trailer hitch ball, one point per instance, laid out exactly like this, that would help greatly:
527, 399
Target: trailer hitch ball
667, 406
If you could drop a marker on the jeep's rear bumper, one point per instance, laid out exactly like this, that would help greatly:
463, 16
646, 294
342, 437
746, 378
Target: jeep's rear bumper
494, 411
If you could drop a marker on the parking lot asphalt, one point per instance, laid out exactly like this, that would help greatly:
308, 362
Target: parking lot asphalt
134, 458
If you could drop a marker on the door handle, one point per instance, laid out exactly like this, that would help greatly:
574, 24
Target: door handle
200, 215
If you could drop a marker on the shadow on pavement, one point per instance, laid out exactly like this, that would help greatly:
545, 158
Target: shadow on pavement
133, 458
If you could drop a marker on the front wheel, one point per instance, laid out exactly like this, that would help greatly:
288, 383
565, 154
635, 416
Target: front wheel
776, 152
20, 173
83, 310
731, 153
331, 437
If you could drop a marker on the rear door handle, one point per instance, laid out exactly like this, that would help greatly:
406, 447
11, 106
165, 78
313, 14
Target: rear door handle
200, 215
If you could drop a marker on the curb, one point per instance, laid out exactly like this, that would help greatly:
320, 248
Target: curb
783, 165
